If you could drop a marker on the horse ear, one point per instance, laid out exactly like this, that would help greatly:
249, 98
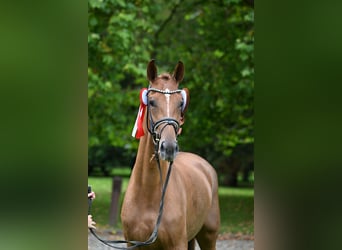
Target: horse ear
178, 73
151, 71
186, 97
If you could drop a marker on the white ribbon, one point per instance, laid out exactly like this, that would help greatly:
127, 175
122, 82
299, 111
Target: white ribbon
184, 99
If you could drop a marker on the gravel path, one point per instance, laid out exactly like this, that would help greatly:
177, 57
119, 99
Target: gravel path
94, 244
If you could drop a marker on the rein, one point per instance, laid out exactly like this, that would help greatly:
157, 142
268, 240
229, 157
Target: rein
154, 234
156, 138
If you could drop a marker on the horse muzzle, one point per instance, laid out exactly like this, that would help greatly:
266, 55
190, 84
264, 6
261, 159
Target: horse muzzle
168, 150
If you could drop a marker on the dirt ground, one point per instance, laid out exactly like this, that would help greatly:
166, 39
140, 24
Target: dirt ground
224, 242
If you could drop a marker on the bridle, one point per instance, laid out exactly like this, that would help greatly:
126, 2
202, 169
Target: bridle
152, 129
152, 126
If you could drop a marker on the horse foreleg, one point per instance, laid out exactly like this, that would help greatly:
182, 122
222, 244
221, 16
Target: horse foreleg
207, 236
206, 239
191, 244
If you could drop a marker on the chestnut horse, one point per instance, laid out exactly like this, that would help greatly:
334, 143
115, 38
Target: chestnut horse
191, 208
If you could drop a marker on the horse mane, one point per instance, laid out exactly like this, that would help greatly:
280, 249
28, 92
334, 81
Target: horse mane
165, 76
165, 79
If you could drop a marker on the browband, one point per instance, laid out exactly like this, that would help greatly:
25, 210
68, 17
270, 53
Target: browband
165, 92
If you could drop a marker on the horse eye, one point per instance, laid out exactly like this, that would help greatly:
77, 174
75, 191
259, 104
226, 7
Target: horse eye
181, 104
152, 103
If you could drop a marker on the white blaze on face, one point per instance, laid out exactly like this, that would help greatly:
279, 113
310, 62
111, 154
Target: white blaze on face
167, 96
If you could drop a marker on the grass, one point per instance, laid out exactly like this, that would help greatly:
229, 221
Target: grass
236, 205
237, 210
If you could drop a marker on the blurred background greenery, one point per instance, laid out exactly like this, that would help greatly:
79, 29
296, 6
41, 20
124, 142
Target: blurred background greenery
44, 104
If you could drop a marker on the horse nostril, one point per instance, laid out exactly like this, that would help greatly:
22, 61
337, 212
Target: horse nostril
162, 146
168, 150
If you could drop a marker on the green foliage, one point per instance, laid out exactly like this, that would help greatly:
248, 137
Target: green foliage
116, 50
214, 39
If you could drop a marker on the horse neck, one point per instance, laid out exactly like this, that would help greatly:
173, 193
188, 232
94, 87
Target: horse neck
146, 171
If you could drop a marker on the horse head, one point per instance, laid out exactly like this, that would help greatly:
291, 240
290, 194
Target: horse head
166, 106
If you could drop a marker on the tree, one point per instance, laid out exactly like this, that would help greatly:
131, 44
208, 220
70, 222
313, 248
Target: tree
214, 39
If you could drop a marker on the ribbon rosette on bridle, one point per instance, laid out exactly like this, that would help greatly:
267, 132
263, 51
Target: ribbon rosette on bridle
138, 130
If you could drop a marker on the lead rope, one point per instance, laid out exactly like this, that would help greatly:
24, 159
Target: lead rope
154, 234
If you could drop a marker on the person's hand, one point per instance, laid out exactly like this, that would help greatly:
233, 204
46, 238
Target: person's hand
91, 195
91, 223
